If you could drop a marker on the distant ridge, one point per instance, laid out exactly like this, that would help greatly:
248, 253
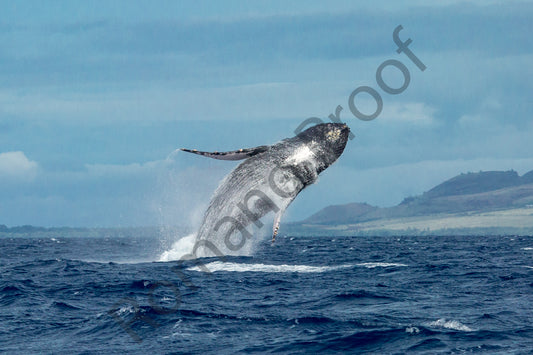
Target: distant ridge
349, 212
470, 192
473, 183
527, 178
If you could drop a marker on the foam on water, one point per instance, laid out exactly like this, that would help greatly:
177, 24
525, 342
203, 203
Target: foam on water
527, 248
186, 245
180, 248
373, 265
412, 330
450, 324
237, 267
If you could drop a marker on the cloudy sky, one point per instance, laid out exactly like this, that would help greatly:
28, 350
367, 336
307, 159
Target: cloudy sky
96, 96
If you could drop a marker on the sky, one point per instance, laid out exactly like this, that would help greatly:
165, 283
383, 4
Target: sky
95, 98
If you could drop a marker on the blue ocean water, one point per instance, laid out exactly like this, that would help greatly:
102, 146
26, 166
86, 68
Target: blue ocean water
380, 295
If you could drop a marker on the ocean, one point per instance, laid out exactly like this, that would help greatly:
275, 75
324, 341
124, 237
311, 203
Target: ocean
304, 294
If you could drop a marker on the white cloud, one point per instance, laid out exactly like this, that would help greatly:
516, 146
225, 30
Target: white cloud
107, 170
15, 165
409, 112
415, 113
471, 120
259, 100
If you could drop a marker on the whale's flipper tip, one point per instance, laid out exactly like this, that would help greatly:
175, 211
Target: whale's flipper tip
274, 236
275, 227
232, 155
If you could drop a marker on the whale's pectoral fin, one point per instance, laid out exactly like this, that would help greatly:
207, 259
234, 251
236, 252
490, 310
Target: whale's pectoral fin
275, 228
233, 155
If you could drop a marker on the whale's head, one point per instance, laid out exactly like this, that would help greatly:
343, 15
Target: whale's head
326, 140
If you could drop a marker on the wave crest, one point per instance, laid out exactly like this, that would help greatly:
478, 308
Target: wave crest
237, 267
450, 324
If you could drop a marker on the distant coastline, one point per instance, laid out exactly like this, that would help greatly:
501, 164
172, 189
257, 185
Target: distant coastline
505, 222
29, 231
483, 203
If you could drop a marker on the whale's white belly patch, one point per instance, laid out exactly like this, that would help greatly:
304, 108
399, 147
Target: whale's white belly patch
300, 155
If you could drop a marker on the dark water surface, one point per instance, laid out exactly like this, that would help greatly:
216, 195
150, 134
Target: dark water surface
382, 295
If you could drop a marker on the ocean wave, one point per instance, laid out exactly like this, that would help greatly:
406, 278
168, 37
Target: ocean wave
450, 324
359, 294
237, 267
64, 306
373, 265
240, 267
364, 341
412, 330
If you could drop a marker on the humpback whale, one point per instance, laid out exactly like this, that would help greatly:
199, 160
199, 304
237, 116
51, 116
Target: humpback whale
268, 180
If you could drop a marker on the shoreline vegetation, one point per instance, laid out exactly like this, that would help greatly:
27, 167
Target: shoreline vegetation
483, 203
504, 222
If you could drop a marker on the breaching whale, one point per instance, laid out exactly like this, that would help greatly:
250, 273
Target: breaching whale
268, 180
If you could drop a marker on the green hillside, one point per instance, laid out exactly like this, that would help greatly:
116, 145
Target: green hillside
471, 192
